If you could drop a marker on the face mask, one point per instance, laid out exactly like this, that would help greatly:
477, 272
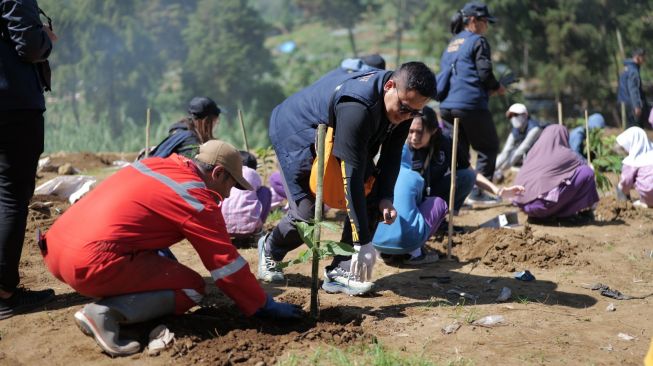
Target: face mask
518, 121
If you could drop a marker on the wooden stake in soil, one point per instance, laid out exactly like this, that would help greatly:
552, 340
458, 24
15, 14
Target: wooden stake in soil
623, 115
321, 133
452, 191
560, 113
147, 133
242, 127
587, 139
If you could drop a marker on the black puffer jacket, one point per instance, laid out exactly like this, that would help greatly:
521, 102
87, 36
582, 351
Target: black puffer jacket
23, 44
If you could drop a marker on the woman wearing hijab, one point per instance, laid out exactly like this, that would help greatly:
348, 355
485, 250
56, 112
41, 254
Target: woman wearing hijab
557, 182
466, 76
637, 167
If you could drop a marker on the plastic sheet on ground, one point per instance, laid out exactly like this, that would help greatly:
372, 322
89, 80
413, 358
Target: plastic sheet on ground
70, 187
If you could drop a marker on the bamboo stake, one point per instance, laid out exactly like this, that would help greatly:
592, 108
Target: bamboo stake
559, 112
623, 116
452, 191
587, 139
321, 132
147, 133
242, 127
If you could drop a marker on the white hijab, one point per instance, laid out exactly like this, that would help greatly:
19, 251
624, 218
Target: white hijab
639, 148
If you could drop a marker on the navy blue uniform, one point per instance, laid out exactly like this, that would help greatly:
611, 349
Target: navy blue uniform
471, 81
355, 101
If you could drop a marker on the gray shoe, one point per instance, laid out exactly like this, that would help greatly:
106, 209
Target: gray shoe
267, 267
103, 324
479, 198
340, 280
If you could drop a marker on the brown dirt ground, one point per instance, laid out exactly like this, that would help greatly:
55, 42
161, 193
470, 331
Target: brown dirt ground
553, 320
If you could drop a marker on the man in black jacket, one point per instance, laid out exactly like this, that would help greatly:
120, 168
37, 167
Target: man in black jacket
25, 44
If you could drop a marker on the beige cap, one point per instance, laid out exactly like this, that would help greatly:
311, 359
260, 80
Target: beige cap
516, 108
215, 152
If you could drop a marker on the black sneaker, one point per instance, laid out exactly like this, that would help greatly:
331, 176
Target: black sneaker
24, 300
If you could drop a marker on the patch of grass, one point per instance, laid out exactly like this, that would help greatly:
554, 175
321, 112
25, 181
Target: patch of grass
461, 361
471, 316
368, 354
435, 302
524, 300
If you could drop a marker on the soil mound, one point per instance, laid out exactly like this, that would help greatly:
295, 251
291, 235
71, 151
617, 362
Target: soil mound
508, 249
609, 209
222, 336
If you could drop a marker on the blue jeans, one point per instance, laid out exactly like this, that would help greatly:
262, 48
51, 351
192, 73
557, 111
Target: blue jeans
465, 181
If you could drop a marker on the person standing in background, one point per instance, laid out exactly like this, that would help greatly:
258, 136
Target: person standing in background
471, 82
25, 44
630, 90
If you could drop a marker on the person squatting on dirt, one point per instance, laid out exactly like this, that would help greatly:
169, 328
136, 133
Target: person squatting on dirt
185, 136
524, 133
105, 246
25, 44
278, 193
637, 167
366, 110
557, 181
577, 136
630, 91
245, 211
422, 189
468, 63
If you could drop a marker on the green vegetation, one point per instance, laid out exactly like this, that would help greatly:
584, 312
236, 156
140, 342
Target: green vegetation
114, 59
369, 354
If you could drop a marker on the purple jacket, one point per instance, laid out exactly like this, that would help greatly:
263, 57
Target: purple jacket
639, 178
242, 210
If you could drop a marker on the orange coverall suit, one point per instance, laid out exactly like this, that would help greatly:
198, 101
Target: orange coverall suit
106, 244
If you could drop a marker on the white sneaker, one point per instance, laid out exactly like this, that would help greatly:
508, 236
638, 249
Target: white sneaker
267, 267
640, 204
340, 280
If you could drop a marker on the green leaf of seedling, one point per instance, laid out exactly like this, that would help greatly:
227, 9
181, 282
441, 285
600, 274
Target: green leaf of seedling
303, 257
306, 230
334, 248
329, 225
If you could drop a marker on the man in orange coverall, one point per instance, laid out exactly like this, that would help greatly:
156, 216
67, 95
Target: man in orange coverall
105, 246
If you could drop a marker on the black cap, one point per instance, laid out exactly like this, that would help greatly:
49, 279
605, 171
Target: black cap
249, 160
374, 60
478, 10
200, 107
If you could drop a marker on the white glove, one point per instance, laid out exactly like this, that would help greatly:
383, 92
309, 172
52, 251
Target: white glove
362, 262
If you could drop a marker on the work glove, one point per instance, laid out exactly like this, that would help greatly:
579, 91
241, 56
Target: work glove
362, 262
279, 310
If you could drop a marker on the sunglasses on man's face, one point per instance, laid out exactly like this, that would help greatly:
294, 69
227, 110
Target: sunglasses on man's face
405, 109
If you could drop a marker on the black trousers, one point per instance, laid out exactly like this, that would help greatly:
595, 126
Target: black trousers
285, 237
476, 129
631, 120
21, 145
